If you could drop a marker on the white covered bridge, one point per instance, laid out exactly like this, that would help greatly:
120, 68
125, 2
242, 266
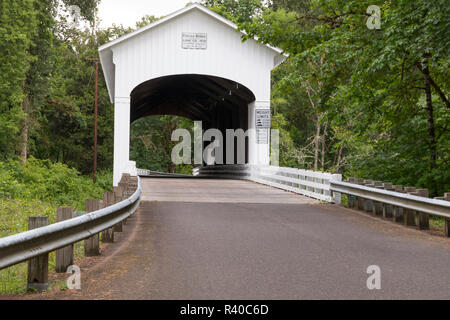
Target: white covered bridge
191, 63
184, 238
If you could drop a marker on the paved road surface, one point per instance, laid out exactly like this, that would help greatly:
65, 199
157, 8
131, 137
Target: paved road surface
207, 239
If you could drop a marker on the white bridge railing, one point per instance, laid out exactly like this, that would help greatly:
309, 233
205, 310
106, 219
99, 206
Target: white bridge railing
309, 183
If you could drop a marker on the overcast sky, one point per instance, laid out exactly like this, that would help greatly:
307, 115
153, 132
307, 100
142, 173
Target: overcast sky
128, 12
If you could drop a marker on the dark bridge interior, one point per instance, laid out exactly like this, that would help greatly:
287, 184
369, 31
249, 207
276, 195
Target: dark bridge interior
217, 102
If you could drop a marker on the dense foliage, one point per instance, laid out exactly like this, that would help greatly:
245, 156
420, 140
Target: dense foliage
46, 104
151, 144
37, 188
369, 103
47, 84
49, 182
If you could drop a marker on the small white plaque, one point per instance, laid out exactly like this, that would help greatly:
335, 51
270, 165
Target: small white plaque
262, 136
194, 41
263, 118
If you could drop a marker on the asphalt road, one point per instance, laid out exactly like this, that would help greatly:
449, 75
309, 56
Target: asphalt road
185, 245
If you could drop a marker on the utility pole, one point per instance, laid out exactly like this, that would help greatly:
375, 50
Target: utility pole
96, 60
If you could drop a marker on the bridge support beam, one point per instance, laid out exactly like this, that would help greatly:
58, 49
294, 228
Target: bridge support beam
122, 163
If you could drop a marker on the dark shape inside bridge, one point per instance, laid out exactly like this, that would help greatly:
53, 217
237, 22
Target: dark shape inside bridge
219, 103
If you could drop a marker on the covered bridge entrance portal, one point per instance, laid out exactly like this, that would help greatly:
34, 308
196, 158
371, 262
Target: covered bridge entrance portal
191, 63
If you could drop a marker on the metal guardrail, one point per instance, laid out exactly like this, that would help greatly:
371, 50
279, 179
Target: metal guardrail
434, 207
26, 245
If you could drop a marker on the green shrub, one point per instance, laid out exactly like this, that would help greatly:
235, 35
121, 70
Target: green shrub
37, 188
54, 183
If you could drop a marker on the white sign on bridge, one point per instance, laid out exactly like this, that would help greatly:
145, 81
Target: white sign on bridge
263, 118
198, 41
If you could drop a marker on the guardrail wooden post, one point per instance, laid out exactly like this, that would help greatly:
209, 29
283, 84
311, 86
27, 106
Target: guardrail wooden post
125, 186
350, 198
409, 215
359, 200
423, 219
447, 221
118, 194
133, 185
368, 204
108, 234
125, 177
377, 207
92, 244
388, 210
64, 256
38, 267
398, 211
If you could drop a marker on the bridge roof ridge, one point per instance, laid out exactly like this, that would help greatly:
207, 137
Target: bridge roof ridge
176, 14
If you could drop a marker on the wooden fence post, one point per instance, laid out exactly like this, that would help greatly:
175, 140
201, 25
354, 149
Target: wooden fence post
377, 207
124, 184
398, 211
108, 234
350, 198
387, 208
368, 204
409, 215
447, 221
118, 194
125, 177
92, 244
64, 256
132, 185
423, 219
359, 200
38, 266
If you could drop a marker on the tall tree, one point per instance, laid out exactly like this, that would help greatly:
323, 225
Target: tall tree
18, 22
386, 90
37, 76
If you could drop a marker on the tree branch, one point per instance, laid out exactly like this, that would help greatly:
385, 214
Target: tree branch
435, 86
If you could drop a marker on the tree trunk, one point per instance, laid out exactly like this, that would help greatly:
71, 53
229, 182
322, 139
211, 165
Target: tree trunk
316, 143
324, 138
338, 165
431, 127
25, 129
